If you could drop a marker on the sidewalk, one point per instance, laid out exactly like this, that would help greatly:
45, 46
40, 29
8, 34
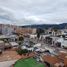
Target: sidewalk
7, 63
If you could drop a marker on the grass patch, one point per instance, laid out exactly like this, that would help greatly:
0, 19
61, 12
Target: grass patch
29, 62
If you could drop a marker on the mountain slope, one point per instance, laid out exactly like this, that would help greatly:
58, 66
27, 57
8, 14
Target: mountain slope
59, 26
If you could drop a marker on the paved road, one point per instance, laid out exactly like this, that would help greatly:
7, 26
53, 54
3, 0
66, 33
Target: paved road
7, 63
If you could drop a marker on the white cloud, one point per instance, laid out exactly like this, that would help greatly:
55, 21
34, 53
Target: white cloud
23, 12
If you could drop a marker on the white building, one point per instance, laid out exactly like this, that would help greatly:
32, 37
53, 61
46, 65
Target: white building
7, 30
14, 44
63, 42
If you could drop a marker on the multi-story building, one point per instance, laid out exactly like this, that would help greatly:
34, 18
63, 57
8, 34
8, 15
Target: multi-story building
21, 30
7, 29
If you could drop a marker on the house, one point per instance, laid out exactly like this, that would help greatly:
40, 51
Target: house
48, 40
51, 60
63, 55
14, 44
33, 36
34, 31
9, 37
7, 46
37, 45
2, 45
63, 42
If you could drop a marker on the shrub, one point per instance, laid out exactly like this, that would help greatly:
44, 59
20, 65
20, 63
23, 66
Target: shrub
21, 38
20, 51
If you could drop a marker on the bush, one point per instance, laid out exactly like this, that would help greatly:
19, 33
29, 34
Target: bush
20, 51
21, 38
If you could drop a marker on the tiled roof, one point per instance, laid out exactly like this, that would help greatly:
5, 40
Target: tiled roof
60, 58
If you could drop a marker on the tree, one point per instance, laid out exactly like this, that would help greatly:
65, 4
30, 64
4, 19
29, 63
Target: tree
20, 51
39, 32
21, 38
55, 29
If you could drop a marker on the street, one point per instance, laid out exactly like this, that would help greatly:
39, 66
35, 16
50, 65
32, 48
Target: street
7, 63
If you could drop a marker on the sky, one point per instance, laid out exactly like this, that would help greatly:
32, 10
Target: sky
28, 12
